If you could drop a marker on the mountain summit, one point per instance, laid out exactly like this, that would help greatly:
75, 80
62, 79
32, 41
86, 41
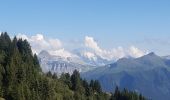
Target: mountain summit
149, 75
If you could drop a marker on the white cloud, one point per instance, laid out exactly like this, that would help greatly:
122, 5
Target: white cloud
90, 55
61, 52
55, 47
39, 43
91, 43
115, 53
38, 37
23, 36
135, 52
55, 43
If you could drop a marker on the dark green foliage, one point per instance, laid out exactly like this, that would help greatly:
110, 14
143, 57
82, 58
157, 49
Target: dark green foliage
21, 78
88, 90
95, 86
66, 78
126, 95
75, 79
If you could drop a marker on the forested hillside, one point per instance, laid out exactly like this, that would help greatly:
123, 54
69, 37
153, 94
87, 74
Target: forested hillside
21, 78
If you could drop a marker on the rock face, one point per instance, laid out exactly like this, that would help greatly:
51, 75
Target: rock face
59, 65
150, 75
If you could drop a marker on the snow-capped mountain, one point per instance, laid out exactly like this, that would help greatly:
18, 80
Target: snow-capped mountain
91, 58
58, 64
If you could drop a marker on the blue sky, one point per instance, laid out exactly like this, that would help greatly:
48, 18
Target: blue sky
112, 23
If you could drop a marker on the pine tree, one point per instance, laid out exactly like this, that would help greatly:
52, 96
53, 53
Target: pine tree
75, 80
97, 86
87, 88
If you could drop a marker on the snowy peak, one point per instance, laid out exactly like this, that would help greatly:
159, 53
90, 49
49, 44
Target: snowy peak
59, 65
91, 58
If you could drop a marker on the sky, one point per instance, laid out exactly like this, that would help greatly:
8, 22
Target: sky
112, 26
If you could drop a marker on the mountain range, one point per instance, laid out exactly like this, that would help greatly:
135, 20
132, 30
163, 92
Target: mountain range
149, 75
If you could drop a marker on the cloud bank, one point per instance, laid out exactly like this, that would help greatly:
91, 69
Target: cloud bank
39, 43
114, 53
92, 49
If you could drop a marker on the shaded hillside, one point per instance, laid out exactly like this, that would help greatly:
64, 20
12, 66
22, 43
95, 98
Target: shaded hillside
149, 75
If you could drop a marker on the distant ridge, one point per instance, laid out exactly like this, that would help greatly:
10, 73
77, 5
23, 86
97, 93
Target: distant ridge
149, 74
